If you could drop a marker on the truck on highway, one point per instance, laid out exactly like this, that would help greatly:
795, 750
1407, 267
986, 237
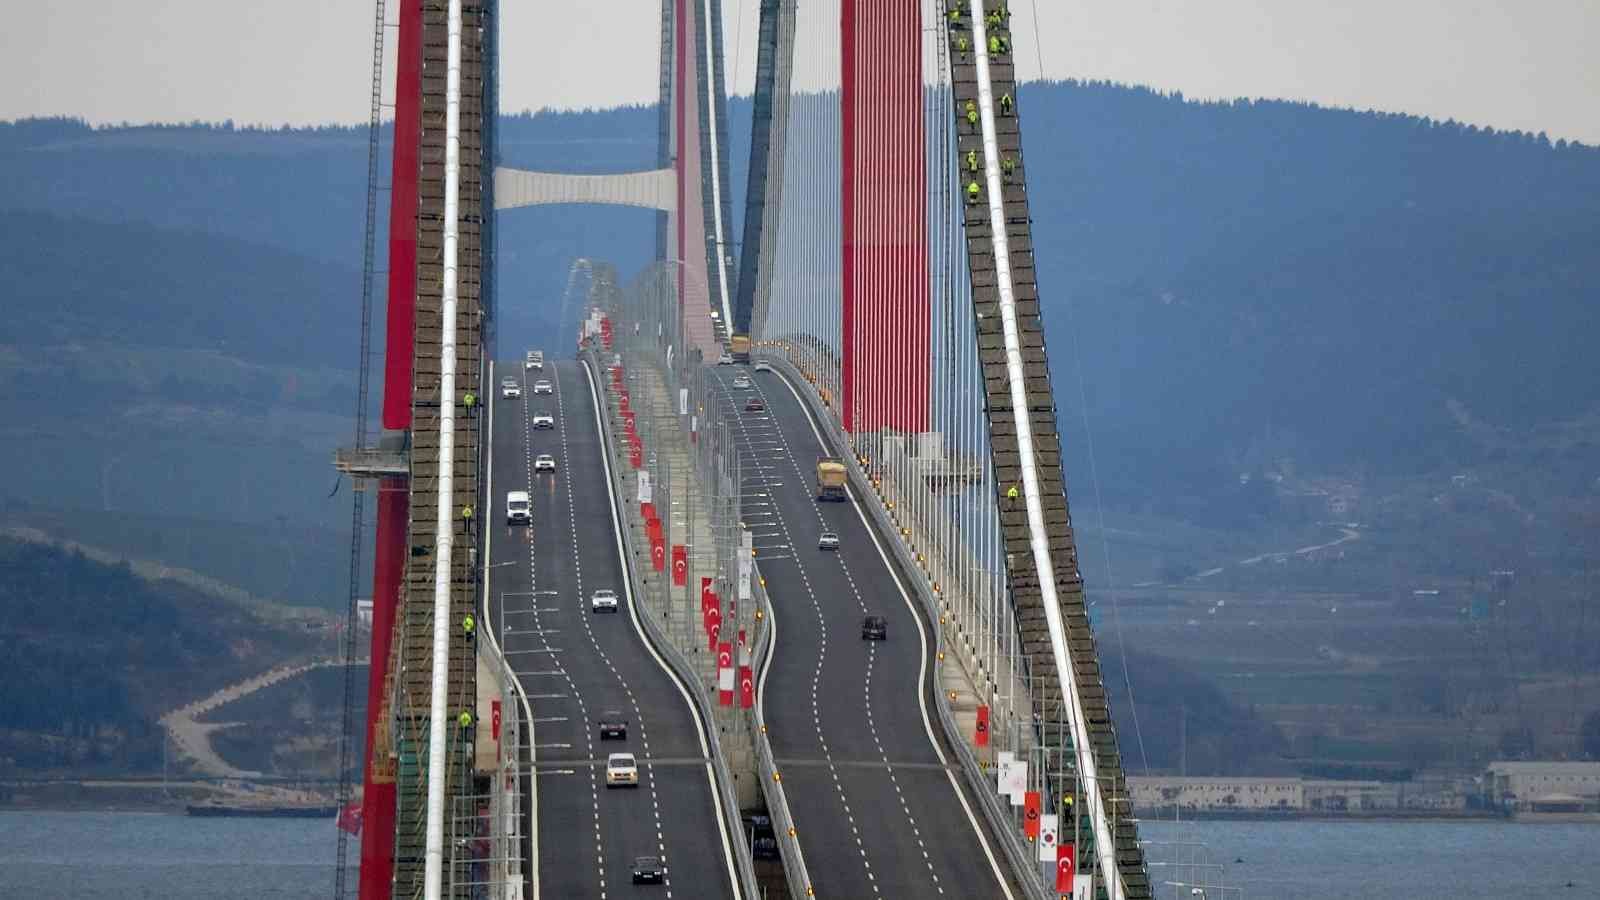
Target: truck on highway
739, 348
830, 478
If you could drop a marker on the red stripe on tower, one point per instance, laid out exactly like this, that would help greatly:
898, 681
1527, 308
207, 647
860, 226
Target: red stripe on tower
885, 327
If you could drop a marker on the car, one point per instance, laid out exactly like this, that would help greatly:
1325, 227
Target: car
544, 462
874, 628
535, 360
510, 388
603, 600
742, 382
763, 366
725, 359
828, 541
649, 870
755, 404
542, 387
519, 511
613, 726
621, 770
544, 420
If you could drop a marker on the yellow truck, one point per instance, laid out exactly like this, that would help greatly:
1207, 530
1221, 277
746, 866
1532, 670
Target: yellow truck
739, 348
830, 478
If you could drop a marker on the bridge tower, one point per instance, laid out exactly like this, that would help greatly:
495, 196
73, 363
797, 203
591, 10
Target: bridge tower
404, 465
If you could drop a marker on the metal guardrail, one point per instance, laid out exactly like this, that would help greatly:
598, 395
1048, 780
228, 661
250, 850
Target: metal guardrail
1020, 855
681, 666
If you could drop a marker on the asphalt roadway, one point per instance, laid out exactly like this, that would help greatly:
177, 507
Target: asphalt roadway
878, 805
573, 664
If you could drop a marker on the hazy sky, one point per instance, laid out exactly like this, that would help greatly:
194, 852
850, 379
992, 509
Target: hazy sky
1528, 64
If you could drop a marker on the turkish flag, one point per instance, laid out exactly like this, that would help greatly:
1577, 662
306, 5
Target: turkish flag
648, 511
628, 421
680, 565
711, 635
724, 655
747, 688
605, 338
983, 726
624, 401
350, 818
658, 554
712, 616
741, 637
1030, 813
707, 596
494, 718
1064, 868
636, 455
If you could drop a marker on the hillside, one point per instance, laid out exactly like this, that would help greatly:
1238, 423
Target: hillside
95, 654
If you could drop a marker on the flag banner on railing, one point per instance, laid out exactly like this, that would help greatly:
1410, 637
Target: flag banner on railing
622, 401
1047, 838
628, 423
725, 687
646, 496
747, 688
1014, 780
982, 737
746, 561
711, 616
725, 655
1030, 813
706, 596
658, 547
635, 455
494, 719
350, 818
1064, 868
683, 401
714, 629
694, 429
647, 509
680, 565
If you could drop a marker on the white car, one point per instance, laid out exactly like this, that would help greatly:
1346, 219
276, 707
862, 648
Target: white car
519, 511
510, 388
621, 770
763, 366
542, 387
603, 600
535, 360
544, 420
725, 359
828, 541
544, 462
742, 382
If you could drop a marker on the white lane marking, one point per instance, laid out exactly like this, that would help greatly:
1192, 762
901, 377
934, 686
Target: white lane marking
822, 655
533, 585
922, 665
532, 812
633, 615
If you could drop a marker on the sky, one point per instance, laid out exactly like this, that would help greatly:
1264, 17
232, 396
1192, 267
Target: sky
1522, 65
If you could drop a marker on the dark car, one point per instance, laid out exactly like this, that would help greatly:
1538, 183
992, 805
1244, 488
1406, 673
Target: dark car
874, 628
755, 404
613, 726
648, 870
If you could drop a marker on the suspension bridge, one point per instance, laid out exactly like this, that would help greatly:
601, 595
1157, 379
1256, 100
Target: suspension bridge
916, 708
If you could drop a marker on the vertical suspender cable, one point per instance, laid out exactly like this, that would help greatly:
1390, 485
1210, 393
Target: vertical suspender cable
437, 715
1105, 854
716, 178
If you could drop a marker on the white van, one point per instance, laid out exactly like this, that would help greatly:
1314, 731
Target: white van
535, 359
519, 511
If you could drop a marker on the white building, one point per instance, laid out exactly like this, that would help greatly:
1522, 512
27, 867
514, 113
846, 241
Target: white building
1525, 786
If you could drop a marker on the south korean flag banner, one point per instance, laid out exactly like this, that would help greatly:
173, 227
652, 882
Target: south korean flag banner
1048, 835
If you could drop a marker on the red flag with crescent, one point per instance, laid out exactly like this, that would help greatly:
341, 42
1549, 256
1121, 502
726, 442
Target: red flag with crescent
711, 635
747, 688
1064, 868
680, 565
350, 818
658, 553
1030, 813
648, 511
706, 596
